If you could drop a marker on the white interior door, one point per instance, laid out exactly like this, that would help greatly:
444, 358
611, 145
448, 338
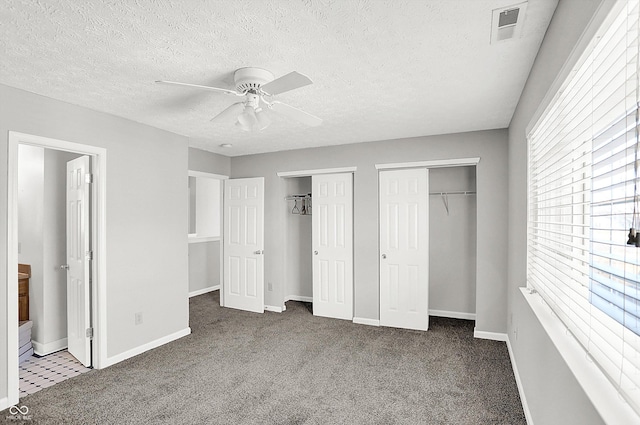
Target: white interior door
78, 260
332, 236
243, 260
404, 248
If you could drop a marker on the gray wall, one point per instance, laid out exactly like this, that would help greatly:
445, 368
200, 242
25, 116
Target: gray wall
490, 146
452, 241
552, 393
146, 215
30, 229
204, 265
209, 162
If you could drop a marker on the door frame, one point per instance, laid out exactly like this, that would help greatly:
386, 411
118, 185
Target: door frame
438, 163
98, 245
310, 173
220, 238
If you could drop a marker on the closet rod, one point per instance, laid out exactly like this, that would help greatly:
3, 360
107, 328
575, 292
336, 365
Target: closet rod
292, 197
452, 193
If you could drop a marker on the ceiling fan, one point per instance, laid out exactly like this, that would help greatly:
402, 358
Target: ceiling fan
257, 86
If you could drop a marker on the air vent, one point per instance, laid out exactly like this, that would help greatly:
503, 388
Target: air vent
507, 22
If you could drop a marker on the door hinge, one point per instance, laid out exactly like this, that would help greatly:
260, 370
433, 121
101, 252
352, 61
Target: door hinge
88, 178
90, 333
89, 255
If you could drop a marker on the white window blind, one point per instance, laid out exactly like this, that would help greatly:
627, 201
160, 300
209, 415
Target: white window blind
582, 175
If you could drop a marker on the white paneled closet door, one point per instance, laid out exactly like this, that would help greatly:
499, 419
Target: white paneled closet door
243, 269
404, 248
332, 236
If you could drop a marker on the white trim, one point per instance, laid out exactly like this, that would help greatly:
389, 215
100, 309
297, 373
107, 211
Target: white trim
364, 321
12, 390
494, 336
146, 347
207, 175
301, 298
452, 314
50, 347
204, 291
4, 403
195, 239
437, 163
593, 29
273, 308
523, 398
307, 173
99, 247
606, 399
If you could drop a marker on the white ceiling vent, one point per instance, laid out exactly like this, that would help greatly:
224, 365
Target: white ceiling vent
507, 22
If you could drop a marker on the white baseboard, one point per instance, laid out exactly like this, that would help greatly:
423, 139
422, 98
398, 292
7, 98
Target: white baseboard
273, 308
452, 314
523, 399
299, 298
4, 403
146, 347
204, 291
496, 336
50, 347
363, 321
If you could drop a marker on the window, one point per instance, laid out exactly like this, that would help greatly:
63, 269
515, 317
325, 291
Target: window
583, 155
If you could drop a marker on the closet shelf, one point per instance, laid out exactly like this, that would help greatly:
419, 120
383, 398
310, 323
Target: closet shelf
293, 197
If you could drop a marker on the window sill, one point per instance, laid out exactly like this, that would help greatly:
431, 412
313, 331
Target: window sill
197, 239
605, 397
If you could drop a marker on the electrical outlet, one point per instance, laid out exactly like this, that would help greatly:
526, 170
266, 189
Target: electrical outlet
138, 318
270, 286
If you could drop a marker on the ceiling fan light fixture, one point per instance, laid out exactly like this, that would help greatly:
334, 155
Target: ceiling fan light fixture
262, 120
247, 119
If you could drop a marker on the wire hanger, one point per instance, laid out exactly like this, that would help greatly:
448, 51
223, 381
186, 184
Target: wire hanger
445, 201
295, 209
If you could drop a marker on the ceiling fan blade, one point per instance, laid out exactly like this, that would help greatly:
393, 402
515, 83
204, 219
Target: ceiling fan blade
295, 113
232, 111
196, 86
292, 80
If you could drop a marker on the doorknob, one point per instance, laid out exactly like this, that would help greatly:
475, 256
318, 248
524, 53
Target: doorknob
384, 256
258, 252
64, 267
315, 252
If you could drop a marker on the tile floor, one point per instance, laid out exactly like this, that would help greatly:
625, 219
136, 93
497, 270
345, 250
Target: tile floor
37, 373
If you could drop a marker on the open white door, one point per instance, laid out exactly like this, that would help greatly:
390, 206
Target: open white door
332, 236
243, 269
78, 260
404, 248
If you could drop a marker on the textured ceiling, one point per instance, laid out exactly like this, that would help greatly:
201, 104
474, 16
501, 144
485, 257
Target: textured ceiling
382, 69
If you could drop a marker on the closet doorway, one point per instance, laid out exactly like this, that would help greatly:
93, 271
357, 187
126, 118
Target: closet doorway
427, 234
319, 252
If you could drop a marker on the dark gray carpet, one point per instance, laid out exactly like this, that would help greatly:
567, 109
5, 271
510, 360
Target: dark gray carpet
294, 368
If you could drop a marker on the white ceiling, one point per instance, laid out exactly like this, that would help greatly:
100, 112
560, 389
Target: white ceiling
382, 69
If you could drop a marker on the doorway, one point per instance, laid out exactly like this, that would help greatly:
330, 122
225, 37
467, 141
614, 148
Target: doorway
319, 252
94, 332
427, 268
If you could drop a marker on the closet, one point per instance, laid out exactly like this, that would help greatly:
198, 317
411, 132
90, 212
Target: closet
427, 244
299, 271
319, 252
452, 237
